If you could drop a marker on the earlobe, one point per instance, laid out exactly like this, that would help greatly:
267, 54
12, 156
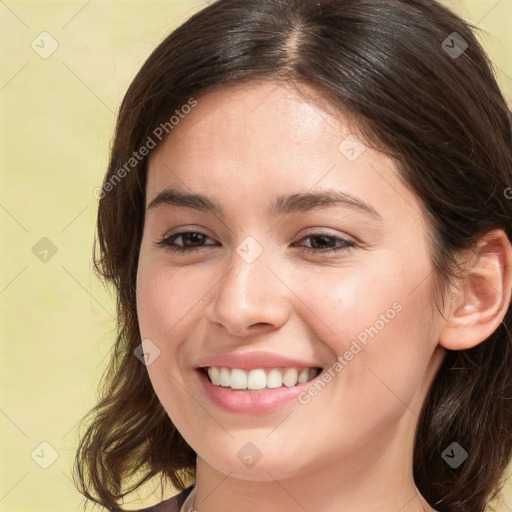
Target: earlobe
482, 296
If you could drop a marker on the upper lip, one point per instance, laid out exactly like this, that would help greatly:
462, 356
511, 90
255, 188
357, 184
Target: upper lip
253, 360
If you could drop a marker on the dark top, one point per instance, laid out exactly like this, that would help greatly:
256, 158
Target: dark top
170, 505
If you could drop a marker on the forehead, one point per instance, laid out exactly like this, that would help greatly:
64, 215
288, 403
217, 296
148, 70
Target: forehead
274, 111
264, 138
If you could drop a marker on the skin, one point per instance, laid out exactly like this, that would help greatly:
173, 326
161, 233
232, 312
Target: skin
350, 447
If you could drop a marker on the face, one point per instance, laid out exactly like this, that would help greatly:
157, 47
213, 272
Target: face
343, 285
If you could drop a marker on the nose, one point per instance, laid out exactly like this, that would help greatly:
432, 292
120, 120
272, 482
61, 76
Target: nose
251, 298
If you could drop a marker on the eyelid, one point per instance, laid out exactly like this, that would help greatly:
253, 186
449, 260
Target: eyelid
342, 244
327, 232
311, 231
193, 228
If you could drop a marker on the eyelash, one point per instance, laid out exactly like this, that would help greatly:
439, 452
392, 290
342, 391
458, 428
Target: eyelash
168, 243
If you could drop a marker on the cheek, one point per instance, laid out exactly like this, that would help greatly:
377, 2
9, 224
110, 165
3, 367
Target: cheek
376, 320
165, 307
353, 302
166, 297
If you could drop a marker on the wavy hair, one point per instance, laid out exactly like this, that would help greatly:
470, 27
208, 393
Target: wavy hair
391, 66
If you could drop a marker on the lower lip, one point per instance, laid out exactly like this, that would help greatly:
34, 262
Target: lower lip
251, 402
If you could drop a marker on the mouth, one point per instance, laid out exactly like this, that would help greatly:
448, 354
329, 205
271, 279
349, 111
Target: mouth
259, 379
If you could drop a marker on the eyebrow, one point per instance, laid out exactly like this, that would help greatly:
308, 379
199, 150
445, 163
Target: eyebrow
284, 204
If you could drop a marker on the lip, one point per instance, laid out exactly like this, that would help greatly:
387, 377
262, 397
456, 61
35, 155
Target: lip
254, 360
257, 402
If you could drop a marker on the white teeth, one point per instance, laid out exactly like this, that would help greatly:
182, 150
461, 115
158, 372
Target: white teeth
238, 379
303, 376
225, 377
256, 380
290, 377
274, 379
214, 375
260, 378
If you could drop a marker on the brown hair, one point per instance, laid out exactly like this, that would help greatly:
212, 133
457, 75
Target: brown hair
386, 64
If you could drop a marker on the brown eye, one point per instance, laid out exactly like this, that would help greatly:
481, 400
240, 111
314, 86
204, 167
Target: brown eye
191, 241
325, 243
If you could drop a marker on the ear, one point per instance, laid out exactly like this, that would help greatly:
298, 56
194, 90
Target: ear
482, 296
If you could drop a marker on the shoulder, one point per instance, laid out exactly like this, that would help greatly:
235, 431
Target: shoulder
170, 505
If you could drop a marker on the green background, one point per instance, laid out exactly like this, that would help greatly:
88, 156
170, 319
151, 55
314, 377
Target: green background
57, 116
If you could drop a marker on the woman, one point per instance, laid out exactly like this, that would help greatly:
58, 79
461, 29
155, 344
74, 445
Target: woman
307, 223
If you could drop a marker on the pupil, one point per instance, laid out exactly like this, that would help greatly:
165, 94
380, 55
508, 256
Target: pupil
324, 238
195, 237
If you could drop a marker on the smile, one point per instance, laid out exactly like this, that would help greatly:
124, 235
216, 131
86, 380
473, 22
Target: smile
260, 378
263, 400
